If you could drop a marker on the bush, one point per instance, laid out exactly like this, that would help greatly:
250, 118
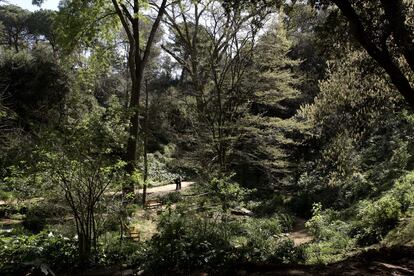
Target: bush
7, 211
188, 242
401, 235
332, 237
228, 192
126, 253
213, 242
403, 192
375, 218
172, 198
263, 242
45, 250
269, 207
5, 195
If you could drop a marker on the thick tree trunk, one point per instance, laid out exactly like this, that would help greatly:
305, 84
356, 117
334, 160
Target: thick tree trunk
134, 129
137, 60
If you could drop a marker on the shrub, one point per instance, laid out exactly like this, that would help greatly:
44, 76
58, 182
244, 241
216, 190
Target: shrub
187, 242
5, 195
332, 237
172, 198
126, 253
7, 211
271, 206
44, 250
403, 191
263, 242
375, 218
401, 235
229, 193
213, 241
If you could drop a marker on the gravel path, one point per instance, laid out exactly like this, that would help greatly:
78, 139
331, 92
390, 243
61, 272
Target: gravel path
167, 188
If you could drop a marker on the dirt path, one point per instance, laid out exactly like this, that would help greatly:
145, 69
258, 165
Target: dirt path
167, 188
299, 233
154, 191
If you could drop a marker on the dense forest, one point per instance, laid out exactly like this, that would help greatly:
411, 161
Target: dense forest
207, 137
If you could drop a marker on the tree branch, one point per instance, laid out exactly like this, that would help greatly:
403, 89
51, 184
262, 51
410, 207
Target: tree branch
154, 29
382, 57
123, 22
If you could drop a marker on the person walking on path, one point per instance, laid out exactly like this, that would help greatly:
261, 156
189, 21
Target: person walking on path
177, 182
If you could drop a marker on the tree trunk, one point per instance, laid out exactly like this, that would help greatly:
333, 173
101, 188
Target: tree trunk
137, 60
84, 244
144, 192
134, 123
221, 146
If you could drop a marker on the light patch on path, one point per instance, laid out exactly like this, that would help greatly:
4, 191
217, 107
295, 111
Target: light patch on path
167, 188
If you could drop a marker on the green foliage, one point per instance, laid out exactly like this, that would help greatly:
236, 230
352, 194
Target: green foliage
13, 19
24, 180
229, 103
368, 222
35, 86
80, 23
403, 234
273, 207
403, 192
83, 182
126, 253
375, 218
161, 166
5, 196
19, 254
188, 240
264, 152
172, 198
355, 150
228, 192
261, 241
38, 214
41, 24
332, 237
8, 211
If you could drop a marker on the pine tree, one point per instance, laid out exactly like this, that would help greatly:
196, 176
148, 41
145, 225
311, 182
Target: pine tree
268, 130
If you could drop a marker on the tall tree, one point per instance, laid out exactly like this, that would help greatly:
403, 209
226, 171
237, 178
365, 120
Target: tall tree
213, 43
130, 15
41, 24
140, 21
14, 20
265, 152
